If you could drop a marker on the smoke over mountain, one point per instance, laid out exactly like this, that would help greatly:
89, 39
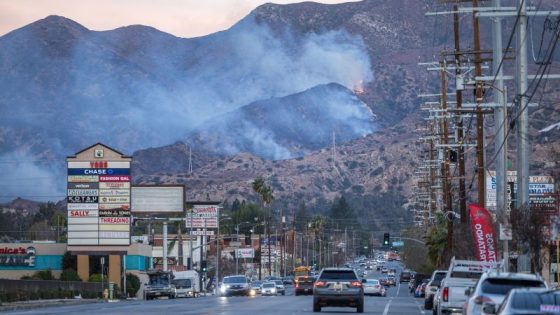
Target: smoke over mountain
65, 87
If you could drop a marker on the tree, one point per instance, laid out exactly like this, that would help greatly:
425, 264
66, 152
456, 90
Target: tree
301, 217
529, 227
436, 241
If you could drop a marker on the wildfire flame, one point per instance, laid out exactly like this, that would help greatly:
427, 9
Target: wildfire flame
359, 87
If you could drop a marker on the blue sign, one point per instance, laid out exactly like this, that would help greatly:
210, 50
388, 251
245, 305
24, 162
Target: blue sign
98, 171
398, 244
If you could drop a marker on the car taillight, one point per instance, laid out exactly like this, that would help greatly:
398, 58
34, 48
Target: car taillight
445, 294
377, 285
356, 283
297, 284
320, 283
481, 299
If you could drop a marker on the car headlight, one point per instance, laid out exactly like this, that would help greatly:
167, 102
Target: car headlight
273, 290
252, 292
223, 289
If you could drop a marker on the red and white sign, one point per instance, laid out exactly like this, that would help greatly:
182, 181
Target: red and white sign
483, 232
13, 250
114, 220
110, 206
114, 185
99, 164
83, 213
203, 216
114, 178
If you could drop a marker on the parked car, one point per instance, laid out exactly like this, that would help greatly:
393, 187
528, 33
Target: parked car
304, 285
461, 275
421, 289
268, 288
338, 287
431, 288
384, 270
373, 287
493, 287
527, 301
235, 285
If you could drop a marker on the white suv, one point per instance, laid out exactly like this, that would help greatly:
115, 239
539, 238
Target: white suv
493, 286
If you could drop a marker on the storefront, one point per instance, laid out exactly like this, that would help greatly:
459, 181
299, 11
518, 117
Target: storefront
24, 259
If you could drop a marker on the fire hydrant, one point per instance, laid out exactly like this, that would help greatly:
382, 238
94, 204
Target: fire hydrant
105, 294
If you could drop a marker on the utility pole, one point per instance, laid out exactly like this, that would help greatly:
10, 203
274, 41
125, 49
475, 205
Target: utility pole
522, 123
500, 130
445, 161
460, 131
479, 115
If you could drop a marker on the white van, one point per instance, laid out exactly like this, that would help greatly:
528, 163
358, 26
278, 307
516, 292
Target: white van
186, 283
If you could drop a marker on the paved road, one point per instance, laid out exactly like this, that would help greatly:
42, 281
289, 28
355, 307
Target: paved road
398, 302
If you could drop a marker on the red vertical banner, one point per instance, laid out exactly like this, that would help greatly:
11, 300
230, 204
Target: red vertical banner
483, 232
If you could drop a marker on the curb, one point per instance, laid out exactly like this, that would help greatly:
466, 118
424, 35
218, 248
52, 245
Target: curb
15, 306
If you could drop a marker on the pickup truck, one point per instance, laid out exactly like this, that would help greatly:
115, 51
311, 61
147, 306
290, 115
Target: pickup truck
461, 275
160, 285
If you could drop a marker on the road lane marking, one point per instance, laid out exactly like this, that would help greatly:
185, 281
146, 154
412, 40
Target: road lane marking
419, 307
386, 310
398, 288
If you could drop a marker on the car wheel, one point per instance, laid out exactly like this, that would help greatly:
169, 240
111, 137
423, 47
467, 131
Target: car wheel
316, 307
360, 308
283, 293
427, 305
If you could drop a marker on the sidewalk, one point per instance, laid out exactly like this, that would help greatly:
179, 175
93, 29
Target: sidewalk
24, 305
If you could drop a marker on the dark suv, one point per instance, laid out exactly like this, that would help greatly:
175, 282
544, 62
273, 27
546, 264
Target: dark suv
338, 287
304, 285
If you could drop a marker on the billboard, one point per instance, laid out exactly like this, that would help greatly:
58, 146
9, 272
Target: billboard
245, 253
540, 188
89, 194
203, 216
157, 199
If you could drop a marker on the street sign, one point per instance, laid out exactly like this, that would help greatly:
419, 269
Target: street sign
205, 233
398, 244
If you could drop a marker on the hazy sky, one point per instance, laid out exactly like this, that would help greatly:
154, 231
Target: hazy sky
183, 18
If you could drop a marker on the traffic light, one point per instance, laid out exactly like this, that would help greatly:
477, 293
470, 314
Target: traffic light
386, 239
248, 239
204, 266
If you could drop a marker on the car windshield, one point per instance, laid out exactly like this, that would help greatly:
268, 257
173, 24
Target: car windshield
159, 281
235, 280
405, 274
466, 274
279, 282
503, 286
182, 283
306, 280
268, 285
532, 301
338, 275
256, 283
437, 278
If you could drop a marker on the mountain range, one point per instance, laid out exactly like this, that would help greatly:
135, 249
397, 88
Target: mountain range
319, 99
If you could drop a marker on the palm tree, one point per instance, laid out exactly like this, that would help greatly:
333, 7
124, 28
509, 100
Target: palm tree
266, 194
